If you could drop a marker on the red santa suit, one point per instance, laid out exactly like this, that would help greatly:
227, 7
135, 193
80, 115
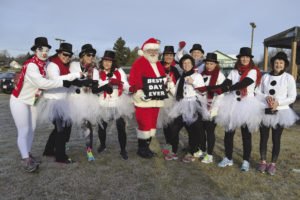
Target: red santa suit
146, 111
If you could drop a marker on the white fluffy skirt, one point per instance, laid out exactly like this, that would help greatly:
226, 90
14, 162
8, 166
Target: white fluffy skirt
163, 117
189, 108
285, 118
84, 106
234, 114
50, 109
119, 107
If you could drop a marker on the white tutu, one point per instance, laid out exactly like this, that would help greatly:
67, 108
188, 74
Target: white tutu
163, 117
50, 109
189, 108
234, 114
285, 118
121, 106
84, 106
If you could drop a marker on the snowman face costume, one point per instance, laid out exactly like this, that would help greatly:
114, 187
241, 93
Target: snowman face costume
42, 53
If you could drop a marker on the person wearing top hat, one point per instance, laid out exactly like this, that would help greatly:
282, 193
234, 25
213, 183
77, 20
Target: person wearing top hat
114, 104
239, 108
277, 91
198, 54
147, 104
27, 91
55, 106
189, 108
84, 101
163, 119
212, 76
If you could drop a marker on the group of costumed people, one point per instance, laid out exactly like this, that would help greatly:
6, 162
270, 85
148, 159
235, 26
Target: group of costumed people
180, 90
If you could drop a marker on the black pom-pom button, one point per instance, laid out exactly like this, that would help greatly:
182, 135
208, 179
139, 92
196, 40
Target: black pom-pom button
273, 83
238, 92
272, 92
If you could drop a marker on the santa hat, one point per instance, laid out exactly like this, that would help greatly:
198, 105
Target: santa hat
151, 43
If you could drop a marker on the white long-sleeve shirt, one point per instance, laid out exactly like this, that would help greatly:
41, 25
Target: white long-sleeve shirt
282, 88
216, 99
33, 81
189, 89
53, 73
111, 99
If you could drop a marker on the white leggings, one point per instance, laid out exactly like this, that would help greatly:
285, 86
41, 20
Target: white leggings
25, 119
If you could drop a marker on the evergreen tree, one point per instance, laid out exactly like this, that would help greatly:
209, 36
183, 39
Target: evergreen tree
122, 52
133, 56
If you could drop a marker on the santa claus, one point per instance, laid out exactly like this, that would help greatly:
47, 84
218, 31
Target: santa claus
147, 81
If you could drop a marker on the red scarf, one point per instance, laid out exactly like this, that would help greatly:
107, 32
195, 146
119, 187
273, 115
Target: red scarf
214, 74
170, 73
41, 66
117, 74
244, 70
63, 68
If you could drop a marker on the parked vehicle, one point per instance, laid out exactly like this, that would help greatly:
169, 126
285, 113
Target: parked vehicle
7, 82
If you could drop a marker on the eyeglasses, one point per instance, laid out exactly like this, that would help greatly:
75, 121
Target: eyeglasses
90, 55
67, 55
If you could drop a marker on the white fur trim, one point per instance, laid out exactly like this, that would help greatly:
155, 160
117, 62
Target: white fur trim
150, 46
143, 134
152, 132
140, 52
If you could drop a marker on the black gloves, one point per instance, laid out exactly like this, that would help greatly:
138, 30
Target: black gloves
78, 83
67, 84
107, 88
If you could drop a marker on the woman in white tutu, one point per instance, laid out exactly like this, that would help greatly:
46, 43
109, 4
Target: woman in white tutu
239, 108
84, 103
164, 120
115, 104
54, 107
277, 91
212, 76
189, 109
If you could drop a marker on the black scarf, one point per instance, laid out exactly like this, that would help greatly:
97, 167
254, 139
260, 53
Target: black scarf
179, 93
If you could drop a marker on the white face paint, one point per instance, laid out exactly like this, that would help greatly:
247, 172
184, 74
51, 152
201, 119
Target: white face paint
42, 53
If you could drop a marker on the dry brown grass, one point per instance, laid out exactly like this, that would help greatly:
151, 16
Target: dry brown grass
109, 177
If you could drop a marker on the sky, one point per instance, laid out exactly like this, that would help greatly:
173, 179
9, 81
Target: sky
215, 24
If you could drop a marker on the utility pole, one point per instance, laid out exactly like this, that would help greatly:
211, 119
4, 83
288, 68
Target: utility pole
60, 40
253, 25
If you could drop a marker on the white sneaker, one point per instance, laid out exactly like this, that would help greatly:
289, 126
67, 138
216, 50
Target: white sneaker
245, 166
207, 159
198, 154
225, 162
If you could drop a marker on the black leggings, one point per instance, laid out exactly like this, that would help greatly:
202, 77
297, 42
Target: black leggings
195, 132
121, 133
264, 137
56, 144
209, 137
247, 143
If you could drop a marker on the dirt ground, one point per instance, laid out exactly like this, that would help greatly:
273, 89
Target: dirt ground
110, 177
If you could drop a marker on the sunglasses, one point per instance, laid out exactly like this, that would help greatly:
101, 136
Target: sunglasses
67, 55
90, 55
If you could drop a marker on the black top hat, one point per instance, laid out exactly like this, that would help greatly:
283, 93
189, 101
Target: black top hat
67, 47
169, 50
185, 57
197, 47
245, 51
87, 48
211, 57
109, 55
281, 56
40, 42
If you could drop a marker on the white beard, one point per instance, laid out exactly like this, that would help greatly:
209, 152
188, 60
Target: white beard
151, 59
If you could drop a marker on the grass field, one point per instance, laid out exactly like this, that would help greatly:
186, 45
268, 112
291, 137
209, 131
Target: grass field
110, 177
